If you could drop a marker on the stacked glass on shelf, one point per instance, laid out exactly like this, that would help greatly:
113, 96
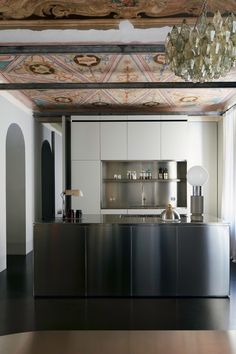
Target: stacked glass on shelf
145, 174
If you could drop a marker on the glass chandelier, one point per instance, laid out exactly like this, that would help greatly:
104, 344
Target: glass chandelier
204, 52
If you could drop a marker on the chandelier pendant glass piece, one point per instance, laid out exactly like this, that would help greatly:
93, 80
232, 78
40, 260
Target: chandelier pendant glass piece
204, 52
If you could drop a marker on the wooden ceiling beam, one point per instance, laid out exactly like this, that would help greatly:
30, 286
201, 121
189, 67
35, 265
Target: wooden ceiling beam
115, 85
79, 48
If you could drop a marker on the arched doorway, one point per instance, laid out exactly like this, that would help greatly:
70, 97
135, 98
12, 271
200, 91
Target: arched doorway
48, 181
15, 191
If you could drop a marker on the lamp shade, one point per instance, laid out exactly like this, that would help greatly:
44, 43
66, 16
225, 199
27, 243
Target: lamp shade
74, 192
197, 176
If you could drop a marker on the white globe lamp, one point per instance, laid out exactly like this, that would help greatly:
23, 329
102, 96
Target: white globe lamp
197, 176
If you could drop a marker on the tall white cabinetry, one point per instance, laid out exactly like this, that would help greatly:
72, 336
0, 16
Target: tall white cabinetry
85, 142
143, 140
114, 140
193, 141
85, 165
86, 176
173, 140
202, 150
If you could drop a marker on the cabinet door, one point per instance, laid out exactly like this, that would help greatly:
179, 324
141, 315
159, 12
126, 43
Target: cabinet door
85, 175
113, 141
108, 260
203, 260
143, 140
85, 143
173, 140
202, 150
59, 260
154, 261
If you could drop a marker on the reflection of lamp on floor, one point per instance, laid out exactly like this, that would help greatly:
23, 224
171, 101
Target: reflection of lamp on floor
197, 176
70, 193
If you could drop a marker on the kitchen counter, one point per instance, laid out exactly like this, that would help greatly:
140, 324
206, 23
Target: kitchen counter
128, 255
131, 219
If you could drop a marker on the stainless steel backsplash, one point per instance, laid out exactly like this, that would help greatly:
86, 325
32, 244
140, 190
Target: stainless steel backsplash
138, 193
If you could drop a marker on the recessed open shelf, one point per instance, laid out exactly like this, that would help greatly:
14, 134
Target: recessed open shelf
140, 180
120, 191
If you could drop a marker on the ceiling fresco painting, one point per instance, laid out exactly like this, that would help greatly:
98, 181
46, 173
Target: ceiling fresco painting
101, 68
102, 13
165, 100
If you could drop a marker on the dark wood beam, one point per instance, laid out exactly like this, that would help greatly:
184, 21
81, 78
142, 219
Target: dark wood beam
95, 23
115, 85
83, 49
50, 116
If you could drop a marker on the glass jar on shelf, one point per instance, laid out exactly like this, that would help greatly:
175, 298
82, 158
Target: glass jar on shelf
160, 173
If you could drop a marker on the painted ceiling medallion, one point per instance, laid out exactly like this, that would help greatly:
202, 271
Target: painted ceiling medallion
63, 99
41, 69
151, 103
87, 60
160, 59
100, 103
188, 99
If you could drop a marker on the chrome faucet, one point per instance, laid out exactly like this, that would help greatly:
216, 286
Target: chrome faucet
143, 199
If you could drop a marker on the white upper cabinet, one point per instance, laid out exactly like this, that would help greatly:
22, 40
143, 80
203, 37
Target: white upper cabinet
173, 140
85, 175
202, 150
85, 142
143, 140
113, 140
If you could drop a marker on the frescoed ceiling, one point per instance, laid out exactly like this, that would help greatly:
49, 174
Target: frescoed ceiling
100, 68
103, 68
102, 13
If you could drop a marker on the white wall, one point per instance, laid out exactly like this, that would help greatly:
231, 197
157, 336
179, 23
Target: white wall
12, 114
15, 191
34, 134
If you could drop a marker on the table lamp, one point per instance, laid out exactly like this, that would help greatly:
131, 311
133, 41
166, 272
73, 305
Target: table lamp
197, 176
71, 193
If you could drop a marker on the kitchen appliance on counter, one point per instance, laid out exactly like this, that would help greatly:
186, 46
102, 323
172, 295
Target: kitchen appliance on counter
170, 214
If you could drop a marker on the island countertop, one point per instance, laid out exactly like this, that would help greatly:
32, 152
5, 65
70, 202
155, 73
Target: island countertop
131, 255
130, 219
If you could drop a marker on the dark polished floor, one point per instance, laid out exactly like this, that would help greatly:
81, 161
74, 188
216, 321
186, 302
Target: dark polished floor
20, 312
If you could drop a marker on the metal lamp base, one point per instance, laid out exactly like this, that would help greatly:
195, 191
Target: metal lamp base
196, 208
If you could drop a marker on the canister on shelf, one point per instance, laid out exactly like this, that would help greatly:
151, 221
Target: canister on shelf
165, 173
160, 173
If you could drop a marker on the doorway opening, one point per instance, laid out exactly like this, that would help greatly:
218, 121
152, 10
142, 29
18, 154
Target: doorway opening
48, 181
15, 191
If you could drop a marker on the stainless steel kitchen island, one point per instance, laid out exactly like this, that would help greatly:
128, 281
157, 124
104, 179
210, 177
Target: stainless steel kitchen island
112, 255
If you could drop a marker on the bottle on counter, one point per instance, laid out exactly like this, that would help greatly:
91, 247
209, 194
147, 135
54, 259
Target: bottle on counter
70, 214
160, 173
